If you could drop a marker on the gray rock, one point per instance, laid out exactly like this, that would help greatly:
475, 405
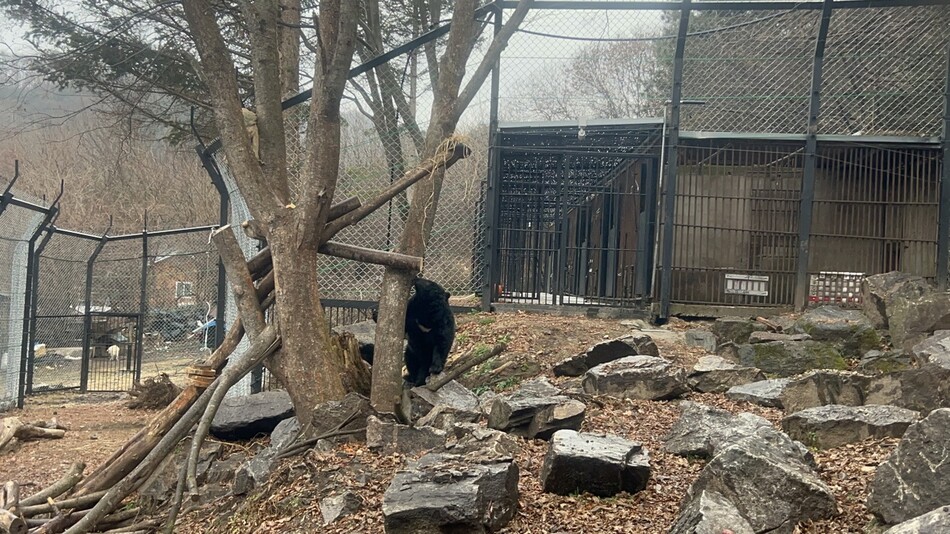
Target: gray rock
338, 506
772, 492
328, 416
822, 387
876, 361
881, 292
849, 330
791, 358
715, 374
284, 433
445, 493
247, 416
701, 338
567, 415
922, 389
604, 352
710, 513
387, 437
830, 426
933, 522
254, 472
735, 329
480, 444
915, 479
158, 489
935, 349
766, 337
912, 321
637, 377
453, 397
598, 464
516, 410
764, 392
444, 417
703, 431
729, 351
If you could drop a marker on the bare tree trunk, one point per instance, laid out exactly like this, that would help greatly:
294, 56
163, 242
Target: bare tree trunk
450, 101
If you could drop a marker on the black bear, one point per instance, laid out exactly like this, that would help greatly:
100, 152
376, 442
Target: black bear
430, 330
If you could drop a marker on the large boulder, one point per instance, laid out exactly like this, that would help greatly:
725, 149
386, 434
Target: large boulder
606, 351
703, 431
246, 416
789, 358
915, 479
480, 444
332, 416
766, 393
709, 512
594, 463
884, 361
768, 488
715, 374
921, 389
912, 321
451, 399
933, 522
830, 426
880, 293
934, 349
447, 493
535, 410
637, 377
849, 330
821, 387
735, 329
255, 472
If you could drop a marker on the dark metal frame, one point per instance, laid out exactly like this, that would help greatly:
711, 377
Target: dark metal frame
87, 312
943, 228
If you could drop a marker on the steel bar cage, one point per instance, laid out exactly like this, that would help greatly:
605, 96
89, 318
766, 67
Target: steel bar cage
802, 144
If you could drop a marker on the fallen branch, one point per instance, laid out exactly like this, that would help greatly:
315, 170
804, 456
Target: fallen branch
464, 364
13, 427
772, 326
61, 486
73, 503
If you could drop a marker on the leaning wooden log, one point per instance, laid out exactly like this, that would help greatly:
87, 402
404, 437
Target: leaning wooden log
127, 457
377, 257
61, 486
72, 503
463, 364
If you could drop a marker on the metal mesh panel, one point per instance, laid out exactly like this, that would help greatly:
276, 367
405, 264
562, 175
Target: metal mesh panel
884, 71
181, 300
875, 210
736, 226
593, 64
16, 228
752, 70
59, 318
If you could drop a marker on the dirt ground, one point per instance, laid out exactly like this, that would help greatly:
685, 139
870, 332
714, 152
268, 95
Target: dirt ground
290, 502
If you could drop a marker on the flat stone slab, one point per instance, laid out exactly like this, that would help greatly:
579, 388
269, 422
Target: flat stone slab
606, 351
789, 358
246, 416
637, 377
447, 493
849, 330
915, 479
388, 437
834, 425
764, 392
766, 337
933, 522
701, 338
599, 464
715, 374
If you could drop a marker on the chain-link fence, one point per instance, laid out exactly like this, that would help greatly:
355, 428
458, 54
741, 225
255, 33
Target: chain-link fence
19, 222
110, 308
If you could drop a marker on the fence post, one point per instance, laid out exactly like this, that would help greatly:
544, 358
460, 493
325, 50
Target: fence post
810, 161
35, 281
943, 230
669, 201
224, 206
87, 316
493, 180
143, 307
29, 302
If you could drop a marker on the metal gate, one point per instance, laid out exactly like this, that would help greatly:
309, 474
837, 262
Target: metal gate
574, 213
112, 357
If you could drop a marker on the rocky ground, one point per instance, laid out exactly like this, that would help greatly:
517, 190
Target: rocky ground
290, 500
